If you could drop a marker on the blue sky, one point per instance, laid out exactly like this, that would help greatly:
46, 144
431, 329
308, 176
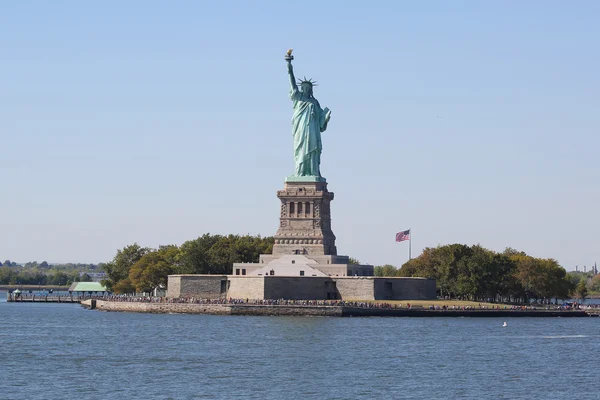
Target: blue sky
155, 122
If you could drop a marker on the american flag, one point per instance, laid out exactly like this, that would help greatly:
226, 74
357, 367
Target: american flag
402, 236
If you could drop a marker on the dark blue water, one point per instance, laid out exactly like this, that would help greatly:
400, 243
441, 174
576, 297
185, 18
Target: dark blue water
62, 351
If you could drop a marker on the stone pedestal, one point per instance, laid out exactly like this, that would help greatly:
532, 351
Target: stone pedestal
305, 221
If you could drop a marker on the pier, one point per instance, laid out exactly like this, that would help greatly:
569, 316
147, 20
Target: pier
32, 298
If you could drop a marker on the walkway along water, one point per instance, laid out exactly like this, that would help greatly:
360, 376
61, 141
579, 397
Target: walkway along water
314, 308
337, 308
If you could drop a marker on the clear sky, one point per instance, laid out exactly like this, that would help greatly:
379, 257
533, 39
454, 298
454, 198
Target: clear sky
156, 121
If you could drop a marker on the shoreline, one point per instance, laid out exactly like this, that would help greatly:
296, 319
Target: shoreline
316, 310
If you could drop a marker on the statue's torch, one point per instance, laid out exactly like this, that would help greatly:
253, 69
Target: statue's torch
288, 56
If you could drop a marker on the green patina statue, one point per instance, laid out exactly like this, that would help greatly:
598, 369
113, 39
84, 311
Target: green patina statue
308, 122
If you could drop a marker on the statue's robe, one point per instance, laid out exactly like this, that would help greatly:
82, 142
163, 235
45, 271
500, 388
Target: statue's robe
308, 122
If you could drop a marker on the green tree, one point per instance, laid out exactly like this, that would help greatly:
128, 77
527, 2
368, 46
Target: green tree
594, 286
154, 268
556, 283
447, 264
581, 290
236, 249
352, 260
390, 270
118, 268
385, 270
194, 256
248, 248
123, 286
477, 273
509, 252
58, 278
504, 283
574, 278
7, 275
221, 255
85, 278
529, 275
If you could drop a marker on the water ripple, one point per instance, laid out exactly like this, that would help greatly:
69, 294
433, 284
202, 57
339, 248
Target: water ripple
64, 351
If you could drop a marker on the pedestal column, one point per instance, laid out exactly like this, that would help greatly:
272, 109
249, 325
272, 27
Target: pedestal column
305, 220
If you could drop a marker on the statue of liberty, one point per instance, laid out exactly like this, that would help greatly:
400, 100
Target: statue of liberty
308, 122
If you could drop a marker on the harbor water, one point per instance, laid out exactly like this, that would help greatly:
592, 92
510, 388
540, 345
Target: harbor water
65, 351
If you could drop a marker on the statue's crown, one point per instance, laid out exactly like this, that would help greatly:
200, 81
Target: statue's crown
308, 81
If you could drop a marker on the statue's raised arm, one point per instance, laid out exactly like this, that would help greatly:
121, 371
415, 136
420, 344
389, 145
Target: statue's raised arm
289, 57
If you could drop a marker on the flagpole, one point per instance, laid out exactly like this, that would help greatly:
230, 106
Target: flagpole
409, 244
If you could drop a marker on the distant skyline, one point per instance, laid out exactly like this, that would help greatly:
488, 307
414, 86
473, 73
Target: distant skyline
156, 122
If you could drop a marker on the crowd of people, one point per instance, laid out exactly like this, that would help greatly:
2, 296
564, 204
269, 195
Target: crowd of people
301, 303
247, 301
517, 307
344, 303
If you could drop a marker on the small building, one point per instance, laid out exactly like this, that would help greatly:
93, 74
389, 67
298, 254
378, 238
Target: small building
87, 287
299, 264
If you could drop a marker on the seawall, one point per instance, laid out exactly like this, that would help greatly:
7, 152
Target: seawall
214, 309
323, 311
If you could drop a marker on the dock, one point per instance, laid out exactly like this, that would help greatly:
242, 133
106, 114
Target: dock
29, 298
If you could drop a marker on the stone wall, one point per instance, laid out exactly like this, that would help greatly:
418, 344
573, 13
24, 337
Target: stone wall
317, 311
355, 288
404, 289
217, 309
174, 286
246, 287
300, 288
164, 308
326, 311
205, 286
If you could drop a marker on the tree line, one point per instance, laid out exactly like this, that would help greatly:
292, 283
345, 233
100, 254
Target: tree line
44, 265
34, 273
8, 263
586, 283
34, 276
141, 269
479, 274
463, 272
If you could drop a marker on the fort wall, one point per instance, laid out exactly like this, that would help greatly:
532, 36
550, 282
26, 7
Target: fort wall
324, 311
300, 288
